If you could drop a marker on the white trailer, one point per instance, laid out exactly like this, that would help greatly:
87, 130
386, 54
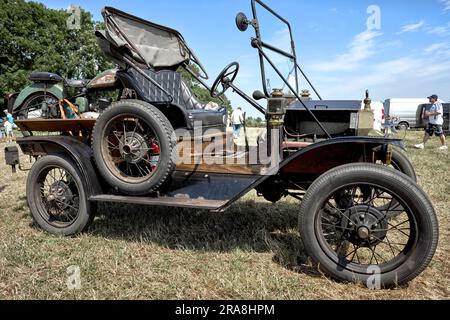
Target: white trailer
404, 109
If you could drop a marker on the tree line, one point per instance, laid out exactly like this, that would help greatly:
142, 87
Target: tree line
36, 38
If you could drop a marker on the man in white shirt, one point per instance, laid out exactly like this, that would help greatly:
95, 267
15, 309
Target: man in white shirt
436, 122
237, 121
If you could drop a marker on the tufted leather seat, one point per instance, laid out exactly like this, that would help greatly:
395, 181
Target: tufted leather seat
172, 82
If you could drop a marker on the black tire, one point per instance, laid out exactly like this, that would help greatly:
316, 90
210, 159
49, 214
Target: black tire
423, 229
34, 99
32, 102
138, 179
60, 207
401, 163
403, 126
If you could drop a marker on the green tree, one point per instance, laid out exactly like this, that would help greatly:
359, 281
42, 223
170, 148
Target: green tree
255, 123
201, 92
35, 38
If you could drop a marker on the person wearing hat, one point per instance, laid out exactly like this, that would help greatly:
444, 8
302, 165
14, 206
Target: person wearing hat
435, 123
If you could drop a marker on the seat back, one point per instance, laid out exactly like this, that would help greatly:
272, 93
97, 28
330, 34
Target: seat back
172, 82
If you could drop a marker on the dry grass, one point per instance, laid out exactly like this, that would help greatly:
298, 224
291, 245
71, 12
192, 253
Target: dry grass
252, 251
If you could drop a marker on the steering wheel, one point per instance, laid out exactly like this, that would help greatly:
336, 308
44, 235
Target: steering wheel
222, 83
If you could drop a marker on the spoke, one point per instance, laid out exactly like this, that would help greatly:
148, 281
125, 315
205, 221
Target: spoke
136, 122
147, 161
393, 227
373, 196
117, 137
140, 170
373, 255
112, 145
357, 257
400, 224
330, 225
52, 176
66, 204
389, 242
353, 252
340, 211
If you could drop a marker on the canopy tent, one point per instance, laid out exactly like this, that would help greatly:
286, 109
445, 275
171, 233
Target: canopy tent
151, 44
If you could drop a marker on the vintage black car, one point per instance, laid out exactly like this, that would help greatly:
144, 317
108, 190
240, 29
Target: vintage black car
359, 219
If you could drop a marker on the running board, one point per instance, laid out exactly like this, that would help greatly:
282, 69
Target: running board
212, 205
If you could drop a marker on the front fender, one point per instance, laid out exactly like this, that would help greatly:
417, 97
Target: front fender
55, 89
324, 156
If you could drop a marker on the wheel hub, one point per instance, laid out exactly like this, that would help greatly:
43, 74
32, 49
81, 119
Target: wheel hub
133, 147
368, 226
60, 194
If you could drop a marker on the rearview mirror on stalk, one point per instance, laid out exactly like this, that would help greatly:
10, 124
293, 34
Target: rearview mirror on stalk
242, 22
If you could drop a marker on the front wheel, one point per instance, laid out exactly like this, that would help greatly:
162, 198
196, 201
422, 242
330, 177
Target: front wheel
358, 240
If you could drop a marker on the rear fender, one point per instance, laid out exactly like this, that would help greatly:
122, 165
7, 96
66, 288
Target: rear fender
80, 153
55, 89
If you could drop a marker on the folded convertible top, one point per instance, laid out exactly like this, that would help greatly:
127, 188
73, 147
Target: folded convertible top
149, 43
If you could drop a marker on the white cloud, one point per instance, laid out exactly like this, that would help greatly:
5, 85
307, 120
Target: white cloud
440, 30
411, 76
438, 47
360, 49
412, 27
446, 4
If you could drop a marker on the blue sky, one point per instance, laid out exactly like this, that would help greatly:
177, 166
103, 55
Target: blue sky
408, 57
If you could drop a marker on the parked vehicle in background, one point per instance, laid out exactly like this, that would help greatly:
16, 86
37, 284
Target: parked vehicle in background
405, 110
422, 122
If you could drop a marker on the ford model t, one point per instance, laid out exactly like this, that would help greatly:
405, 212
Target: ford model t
361, 210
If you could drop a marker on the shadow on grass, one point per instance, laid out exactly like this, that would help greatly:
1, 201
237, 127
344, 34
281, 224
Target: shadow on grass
247, 226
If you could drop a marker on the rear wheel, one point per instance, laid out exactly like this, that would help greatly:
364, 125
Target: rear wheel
356, 240
32, 107
134, 147
57, 198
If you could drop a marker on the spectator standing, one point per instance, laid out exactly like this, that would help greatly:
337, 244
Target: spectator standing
8, 131
435, 125
237, 121
1, 129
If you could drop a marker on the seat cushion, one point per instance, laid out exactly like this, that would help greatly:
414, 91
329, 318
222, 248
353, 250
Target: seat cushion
45, 77
76, 83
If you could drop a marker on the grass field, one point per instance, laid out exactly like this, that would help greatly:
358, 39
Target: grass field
252, 251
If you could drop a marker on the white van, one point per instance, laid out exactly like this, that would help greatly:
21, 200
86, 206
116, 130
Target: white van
405, 110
